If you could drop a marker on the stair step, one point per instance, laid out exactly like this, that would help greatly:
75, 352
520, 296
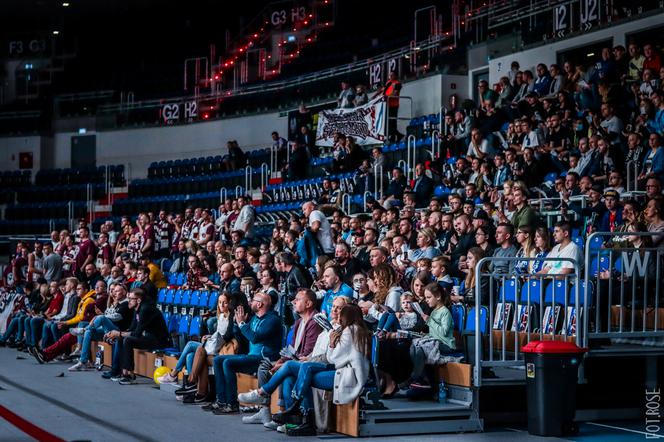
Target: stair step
115, 190
102, 208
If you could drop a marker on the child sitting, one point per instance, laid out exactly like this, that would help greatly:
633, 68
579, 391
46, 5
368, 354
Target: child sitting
407, 319
440, 339
440, 271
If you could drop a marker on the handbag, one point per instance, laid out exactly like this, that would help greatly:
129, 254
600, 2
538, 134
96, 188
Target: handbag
230, 348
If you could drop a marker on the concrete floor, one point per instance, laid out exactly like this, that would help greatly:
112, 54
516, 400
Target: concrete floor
82, 406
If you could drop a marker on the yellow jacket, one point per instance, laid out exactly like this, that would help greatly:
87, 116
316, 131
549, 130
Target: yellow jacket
157, 277
86, 300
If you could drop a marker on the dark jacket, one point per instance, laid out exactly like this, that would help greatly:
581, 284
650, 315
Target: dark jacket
149, 321
423, 188
295, 279
72, 307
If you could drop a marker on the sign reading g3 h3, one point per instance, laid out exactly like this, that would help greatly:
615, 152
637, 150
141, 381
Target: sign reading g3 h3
281, 17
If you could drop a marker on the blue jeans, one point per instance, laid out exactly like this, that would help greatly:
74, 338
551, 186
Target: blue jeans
79, 339
225, 369
187, 356
312, 375
27, 330
51, 333
289, 370
15, 328
388, 322
94, 332
36, 325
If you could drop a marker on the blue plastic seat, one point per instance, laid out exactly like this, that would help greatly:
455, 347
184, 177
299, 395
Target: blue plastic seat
471, 317
508, 292
582, 291
183, 326
533, 291
458, 316
174, 323
557, 292
212, 301
161, 297
195, 327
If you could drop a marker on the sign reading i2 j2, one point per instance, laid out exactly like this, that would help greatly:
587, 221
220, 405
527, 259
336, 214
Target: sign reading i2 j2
589, 11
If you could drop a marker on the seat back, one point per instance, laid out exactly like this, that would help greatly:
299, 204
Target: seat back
203, 299
509, 291
483, 314
195, 328
557, 292
458, 316
532, 291
212, 301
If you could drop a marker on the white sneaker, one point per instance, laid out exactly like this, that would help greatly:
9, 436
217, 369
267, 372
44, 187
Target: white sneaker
272, 425
168, 379
80, 366
76, 353
253, 397
281, 429
262, 417
77, 331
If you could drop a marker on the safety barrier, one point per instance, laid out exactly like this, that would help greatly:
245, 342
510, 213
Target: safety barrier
510, 310
627, 281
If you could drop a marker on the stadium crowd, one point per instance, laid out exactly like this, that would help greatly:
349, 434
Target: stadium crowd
393, 272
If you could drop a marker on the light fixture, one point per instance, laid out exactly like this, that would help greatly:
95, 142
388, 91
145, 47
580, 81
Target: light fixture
56, 32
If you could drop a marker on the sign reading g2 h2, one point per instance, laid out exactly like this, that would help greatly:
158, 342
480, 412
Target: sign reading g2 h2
172, 113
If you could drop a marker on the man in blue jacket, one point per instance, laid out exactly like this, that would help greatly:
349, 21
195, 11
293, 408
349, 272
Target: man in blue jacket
264, 333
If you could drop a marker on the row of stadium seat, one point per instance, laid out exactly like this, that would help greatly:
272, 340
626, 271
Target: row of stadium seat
201, 165
28, 211
84, 175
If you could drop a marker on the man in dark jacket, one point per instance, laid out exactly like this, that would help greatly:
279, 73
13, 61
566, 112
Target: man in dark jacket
299, 160
422, 186
147, 331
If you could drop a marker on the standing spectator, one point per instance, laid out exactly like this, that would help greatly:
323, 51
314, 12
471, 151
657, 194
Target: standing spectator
280, 146
346, 96
87, 251
52, 264
361, 96
246, 219
392, 90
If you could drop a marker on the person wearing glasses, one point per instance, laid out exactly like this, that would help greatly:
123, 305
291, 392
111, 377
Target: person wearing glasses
147, 331
264, 333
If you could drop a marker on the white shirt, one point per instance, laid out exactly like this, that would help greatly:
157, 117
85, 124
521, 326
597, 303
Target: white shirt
324, 233
571, 251
246, 217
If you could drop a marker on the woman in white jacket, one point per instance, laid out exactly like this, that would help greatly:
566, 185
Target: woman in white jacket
345, 375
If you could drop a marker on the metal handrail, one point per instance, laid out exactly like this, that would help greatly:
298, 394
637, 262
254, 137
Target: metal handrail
223, 195
265, 175
238, 191
346, 203
302, 79
248, 178
411, 159
477, 366
379, 178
